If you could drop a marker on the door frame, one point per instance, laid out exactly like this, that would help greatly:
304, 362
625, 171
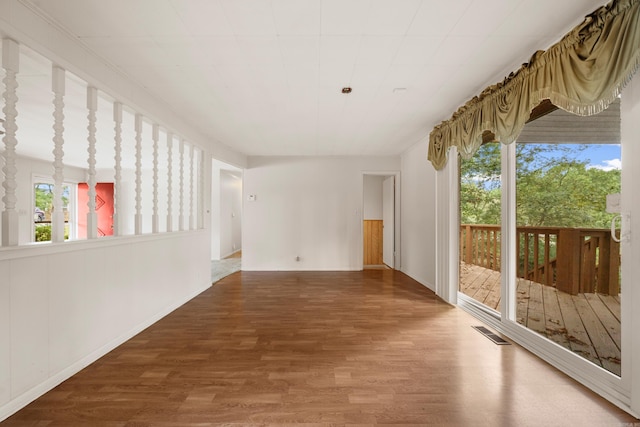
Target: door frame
397, 260
215, 210
388, 215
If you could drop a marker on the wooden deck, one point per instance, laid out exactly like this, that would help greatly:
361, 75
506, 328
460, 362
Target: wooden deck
587, 324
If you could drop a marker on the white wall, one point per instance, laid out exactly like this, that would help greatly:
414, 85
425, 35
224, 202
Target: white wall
215, 209
64, 306
373, 197
230, 213
309, 207
418, 215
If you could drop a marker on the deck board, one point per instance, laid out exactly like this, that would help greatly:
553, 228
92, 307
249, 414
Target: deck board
607, 352
476, 283
608, 320
612, 304
522, 300
535, 313
576, 333
553, 320
587, 324
493, 285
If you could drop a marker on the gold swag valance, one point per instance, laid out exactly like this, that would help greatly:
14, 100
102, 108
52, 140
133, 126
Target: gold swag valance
582, 74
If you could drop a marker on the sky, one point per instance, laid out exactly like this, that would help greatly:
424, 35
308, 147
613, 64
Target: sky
603, 156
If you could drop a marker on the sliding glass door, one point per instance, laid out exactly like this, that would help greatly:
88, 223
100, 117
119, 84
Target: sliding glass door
553, 195
480, 229
568, 285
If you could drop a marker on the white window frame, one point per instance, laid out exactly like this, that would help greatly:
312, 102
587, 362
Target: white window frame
72, 207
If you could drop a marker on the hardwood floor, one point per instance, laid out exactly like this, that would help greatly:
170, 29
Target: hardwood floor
343, 348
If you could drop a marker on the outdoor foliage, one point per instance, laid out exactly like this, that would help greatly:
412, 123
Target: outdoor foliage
44, 201
554, 187
43, 233
480, 187
44, 196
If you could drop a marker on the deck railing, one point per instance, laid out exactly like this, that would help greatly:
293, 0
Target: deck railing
573, 260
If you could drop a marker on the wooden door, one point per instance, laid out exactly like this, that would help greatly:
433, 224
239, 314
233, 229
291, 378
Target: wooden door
372, 242
104, 208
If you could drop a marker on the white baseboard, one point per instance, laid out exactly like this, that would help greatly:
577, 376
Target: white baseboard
423, 282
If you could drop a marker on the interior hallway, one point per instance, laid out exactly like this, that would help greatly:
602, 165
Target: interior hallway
333, 348
226, 266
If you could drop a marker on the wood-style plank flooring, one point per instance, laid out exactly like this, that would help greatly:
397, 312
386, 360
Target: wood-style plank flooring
343, 348
587, 324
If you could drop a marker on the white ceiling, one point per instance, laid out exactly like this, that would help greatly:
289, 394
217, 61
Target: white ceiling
264, 76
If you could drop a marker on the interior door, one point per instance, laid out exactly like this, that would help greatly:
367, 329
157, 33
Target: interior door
104, 208
388, 221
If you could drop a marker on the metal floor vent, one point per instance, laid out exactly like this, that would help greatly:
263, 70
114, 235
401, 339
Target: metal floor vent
493, 337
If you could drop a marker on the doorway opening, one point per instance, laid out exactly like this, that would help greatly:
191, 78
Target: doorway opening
226, 219
380, 221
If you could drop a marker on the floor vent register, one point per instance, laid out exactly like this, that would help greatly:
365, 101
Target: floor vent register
493, 337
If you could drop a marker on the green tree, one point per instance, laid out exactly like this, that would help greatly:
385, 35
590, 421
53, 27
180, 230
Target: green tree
44, 196
553, 187
480, 186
